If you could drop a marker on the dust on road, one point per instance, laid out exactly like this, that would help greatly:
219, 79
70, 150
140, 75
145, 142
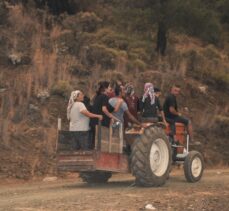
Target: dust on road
120, 194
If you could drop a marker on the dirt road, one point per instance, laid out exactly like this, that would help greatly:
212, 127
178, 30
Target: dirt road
212, 193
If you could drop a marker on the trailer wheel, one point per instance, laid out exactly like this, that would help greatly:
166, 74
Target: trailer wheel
151, 158
96, 176
193, 166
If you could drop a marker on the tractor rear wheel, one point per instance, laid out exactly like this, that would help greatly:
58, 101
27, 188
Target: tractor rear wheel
151, 158
193, 166
96, 176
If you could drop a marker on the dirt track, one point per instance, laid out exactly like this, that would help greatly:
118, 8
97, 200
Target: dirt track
212, 193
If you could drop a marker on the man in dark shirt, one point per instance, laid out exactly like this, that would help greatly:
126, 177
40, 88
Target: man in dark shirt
171, 112
102, 107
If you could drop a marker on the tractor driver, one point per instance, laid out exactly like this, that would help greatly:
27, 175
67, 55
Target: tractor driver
171, 112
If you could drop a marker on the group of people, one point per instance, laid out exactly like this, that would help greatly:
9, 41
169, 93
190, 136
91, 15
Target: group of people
115, 102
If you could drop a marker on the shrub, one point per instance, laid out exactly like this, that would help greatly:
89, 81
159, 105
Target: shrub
79, 70
138, 53
196, 20
89, 21
210, 52
194, 61
61, 88
19, 59
3, 13
220, 78
208, 70
130, 66
4, 42
114, 76
112, 39
140, 65
131, 18
223, 8
83, 21
137, 64
99, 54
66, 43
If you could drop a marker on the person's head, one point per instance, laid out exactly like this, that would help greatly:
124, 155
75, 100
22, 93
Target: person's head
119, 91
129, 89
78, 96
148, 89
112, 85
102, 87
175, 90
157, 92
148, 86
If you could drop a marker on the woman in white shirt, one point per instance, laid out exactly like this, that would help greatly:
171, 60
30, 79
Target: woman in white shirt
79, 118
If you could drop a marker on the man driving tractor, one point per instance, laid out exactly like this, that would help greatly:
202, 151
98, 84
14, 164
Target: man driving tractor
172, 114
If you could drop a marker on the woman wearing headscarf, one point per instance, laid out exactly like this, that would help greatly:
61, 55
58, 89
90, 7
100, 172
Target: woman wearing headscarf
79, 118
70, 104
150, 105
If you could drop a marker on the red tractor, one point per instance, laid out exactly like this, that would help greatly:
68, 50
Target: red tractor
149, 157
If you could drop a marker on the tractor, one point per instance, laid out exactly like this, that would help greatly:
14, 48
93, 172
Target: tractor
147, 153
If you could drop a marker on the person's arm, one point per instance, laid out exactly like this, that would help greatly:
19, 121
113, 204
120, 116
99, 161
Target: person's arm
91, 115
110, 115
161, 110
138, 104
141, 105
163, 117
132, 118
173, 111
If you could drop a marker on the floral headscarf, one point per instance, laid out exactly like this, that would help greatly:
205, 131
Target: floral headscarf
129, 89
73, 96
149, 91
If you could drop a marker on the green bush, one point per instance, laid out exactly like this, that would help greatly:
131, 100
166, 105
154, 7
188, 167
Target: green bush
114, 76
223, 8
140, 65
112, 39
210, 52
133, 19
138, 53
100, 54
194, 61
3, 13
66, 43
209, 70
83, 22
220, 78
61, 88
130, 66
196, 20
79, 70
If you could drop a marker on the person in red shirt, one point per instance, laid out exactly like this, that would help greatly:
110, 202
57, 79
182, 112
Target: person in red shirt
132, 102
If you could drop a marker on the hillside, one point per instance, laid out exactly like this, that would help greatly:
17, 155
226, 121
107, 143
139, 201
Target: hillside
45, 54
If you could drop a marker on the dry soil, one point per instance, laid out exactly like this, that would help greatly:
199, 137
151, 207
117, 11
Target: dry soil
120, 193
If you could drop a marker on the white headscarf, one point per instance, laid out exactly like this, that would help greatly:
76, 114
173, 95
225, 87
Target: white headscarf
149, 91
73, 96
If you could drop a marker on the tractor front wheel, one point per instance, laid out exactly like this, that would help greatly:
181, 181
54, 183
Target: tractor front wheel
193, 166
